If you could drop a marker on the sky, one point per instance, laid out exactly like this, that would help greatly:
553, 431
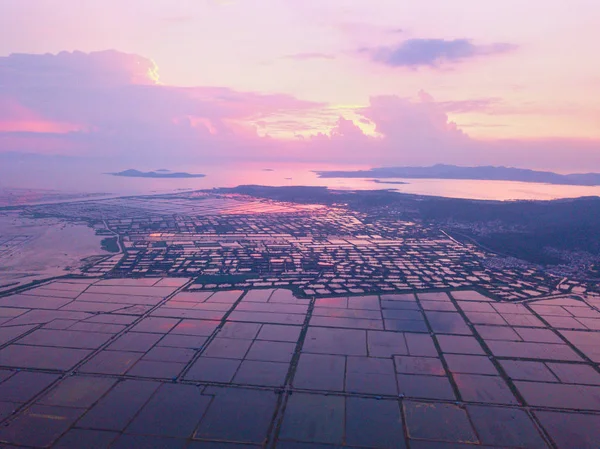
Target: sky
371, 82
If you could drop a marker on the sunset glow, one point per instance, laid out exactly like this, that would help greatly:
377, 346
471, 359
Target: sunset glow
493, 82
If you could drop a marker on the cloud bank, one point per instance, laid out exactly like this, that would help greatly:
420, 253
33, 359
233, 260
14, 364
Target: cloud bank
100, 69
111, 105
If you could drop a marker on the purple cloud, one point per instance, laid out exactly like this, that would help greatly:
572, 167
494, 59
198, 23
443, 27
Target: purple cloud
104, 68
433, 52
109, 106
111, 102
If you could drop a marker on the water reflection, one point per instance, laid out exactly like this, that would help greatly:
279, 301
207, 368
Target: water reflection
85, 179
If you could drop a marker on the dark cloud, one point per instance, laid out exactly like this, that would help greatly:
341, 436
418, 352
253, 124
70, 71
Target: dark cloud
433, 52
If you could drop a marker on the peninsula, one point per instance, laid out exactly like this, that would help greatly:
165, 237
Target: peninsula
486, 173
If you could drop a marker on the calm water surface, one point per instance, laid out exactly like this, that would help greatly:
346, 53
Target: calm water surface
94, 180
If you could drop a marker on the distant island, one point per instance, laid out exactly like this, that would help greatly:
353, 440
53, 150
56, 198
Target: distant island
487, 173
379, 181
162, 173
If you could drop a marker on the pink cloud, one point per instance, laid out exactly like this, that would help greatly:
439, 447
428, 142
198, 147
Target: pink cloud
16, 118
109, 104
398, 118
117, 106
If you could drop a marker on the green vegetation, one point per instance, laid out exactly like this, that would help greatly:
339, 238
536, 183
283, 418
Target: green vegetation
525, 229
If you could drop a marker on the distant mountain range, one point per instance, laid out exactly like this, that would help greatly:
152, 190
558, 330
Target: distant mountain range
487, 173
162, 173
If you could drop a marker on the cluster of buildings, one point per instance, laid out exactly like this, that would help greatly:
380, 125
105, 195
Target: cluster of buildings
235, 241
231, 241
